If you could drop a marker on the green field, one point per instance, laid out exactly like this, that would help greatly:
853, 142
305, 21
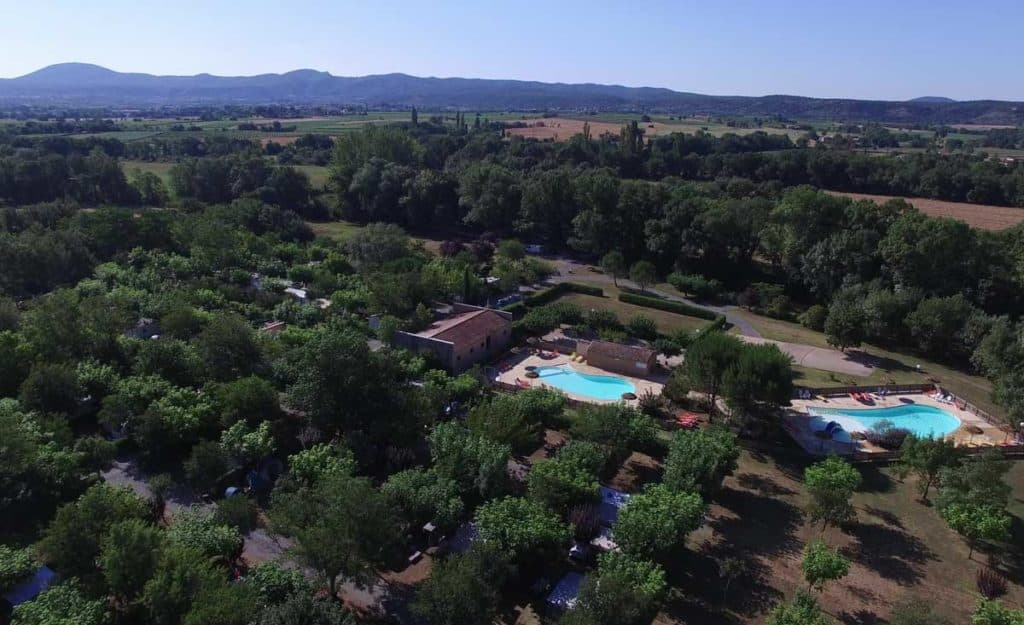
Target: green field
159, 168
318, 175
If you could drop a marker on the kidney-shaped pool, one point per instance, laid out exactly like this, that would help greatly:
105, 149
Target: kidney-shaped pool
602, 387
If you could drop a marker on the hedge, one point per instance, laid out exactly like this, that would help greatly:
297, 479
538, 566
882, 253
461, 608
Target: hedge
668, 305
518, 309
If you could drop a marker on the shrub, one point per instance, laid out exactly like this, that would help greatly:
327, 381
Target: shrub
886, 435
651, 403
239, 512
696, 285
667, 305
546, 318
990, 583
643, 327
598, 319
15, 566
668, 347
814, 317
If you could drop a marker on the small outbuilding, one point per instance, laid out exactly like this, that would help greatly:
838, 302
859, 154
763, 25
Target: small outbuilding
619, 358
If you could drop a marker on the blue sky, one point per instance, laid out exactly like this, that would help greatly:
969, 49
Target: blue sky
895, 49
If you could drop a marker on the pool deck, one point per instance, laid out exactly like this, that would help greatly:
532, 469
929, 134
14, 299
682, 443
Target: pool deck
797, 419
517, 364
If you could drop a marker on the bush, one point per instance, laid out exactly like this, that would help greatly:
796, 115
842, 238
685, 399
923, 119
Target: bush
643, 327
239, 512
814, 317
600, 319
667, 347
546, 318
667, 305
990, 583
886, 435
696, 285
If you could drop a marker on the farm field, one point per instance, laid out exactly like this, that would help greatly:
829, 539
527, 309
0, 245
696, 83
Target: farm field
159, 168
563, 128
982, 216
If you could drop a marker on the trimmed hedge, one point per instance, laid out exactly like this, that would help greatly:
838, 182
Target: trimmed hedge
520, 308
668, 306
715, 326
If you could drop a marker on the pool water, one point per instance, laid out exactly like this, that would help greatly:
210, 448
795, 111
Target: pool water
920, 420
604, 387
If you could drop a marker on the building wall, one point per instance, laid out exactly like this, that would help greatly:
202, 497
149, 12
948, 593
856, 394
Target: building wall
465, 356
440, 350
628, 367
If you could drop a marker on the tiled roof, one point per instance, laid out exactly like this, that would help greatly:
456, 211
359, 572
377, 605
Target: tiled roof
467, 328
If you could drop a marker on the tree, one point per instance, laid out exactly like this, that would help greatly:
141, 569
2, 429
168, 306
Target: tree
569, 478
206, 465
655, 524
698, 460
246, 445
181, 576
803, 610
422, 496
618, 427
63, 604
977, 523
502, 420
51, 388
200, 532
822, 565
926, 457
708, 360
15, 566
464, 588
342, 526
762, 374
644, 273
490, 195
624, 590
302, 609
844, 326
522, 528
830, 484
251, 399
977, 481
228, 347
223, 604
275, 584
72, 540
614, 264
478, 465
129, 557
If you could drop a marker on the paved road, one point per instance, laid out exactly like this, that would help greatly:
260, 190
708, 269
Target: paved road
803, 355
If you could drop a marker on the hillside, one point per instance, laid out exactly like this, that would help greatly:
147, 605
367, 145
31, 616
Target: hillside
84, 84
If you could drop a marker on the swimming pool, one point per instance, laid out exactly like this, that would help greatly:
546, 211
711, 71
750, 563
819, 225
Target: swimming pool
920, 420
604, 387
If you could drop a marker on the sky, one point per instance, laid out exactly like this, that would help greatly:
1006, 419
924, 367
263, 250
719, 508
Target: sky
868, 49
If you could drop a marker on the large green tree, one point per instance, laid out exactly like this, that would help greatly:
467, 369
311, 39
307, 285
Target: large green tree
655, 523
831, 484
698, 460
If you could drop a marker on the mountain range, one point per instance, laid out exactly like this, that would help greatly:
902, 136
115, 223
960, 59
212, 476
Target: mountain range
81, 84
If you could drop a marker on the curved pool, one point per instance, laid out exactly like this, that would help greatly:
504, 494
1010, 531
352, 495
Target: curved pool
920, 420
603, 387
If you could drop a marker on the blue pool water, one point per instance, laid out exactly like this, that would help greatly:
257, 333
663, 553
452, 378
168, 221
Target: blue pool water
605, 387
921, 420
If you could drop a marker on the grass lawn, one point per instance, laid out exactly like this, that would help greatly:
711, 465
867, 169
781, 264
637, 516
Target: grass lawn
160, 169
317, 175
892, 365
898, 547
668, 322
337, 230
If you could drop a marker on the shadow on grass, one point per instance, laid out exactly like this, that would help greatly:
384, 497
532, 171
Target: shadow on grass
874, 480
886, 516
859, 617
764, 525
704, 599
890, 552
763, 484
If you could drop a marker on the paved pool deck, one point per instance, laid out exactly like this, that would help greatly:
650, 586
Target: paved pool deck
517, 367
797, 422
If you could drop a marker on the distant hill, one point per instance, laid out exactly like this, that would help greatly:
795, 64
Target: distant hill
83, 84
933, 99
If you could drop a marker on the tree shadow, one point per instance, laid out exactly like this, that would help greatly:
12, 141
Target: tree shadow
763, 484
887, 517
704, 600
890, 552
873, 480
859, 617
764, 525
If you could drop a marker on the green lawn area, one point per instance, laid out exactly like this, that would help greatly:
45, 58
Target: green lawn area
318, 175
667, 322
160, 169
337, 230
896, 366
898, 547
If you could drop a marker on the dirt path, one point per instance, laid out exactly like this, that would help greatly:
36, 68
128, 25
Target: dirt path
816, 357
